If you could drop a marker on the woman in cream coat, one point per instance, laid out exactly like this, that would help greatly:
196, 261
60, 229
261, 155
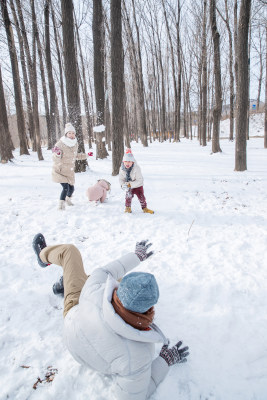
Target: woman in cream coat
65, 153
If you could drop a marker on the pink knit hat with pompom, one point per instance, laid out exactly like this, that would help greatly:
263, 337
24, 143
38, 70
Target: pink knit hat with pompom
128, 156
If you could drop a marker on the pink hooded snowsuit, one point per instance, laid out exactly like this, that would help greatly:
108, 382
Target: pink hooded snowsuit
98, 191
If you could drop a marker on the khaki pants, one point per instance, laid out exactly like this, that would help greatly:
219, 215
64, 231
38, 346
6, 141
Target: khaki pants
74, 276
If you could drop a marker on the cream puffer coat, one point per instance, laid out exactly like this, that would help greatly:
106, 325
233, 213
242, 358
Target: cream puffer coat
64, 163
99, 338
135, 174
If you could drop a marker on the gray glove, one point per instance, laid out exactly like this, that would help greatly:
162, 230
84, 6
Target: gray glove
141, 250
174, 355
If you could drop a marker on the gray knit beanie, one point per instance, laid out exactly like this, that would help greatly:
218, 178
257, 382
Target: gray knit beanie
138, 291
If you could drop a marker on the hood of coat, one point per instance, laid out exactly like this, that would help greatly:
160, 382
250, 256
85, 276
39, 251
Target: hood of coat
104, 184
118, 325
68, 142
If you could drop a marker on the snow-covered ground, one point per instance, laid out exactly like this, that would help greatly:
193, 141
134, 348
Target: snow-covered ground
209, 234
256, 124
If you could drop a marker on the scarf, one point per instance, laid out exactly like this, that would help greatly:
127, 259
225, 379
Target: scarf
68, 142
128, 171
137, 320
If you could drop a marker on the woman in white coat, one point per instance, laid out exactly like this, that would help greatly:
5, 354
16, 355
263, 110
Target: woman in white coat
108, 325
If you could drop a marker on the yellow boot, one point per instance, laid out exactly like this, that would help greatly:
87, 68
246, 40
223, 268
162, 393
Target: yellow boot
128, 210
146, 210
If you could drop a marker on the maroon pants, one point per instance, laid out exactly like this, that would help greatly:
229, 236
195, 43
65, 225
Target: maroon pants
139, 193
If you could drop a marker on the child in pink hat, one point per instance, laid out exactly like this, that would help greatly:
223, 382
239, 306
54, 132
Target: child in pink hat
131, 180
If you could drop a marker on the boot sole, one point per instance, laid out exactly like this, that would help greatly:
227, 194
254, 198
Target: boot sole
36, 247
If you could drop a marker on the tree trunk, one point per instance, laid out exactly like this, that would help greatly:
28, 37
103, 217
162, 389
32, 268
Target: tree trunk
231, 73
136, 68
141, 89
35, 34
265, 107
29, 67
84, 90
45, 95
117, 71
71, 77
107, 111
25, 76
51, 83
204, 83
242, 87
99, 75
16, 79
217, 111
6, 144
64, 113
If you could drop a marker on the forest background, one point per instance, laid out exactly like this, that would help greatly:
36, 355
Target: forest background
142, 70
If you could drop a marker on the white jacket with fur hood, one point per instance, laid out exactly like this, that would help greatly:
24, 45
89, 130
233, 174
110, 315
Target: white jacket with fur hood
135, 174
99, 338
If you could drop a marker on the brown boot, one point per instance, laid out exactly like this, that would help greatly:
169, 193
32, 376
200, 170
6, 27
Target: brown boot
128, 210
146, 210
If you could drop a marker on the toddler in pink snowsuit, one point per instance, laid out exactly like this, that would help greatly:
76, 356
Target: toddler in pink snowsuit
98, 192
131, 180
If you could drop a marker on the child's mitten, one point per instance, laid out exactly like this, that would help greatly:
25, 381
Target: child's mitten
57, 151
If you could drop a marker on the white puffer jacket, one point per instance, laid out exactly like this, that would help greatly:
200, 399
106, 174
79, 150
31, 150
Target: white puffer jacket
135, 174
98, 337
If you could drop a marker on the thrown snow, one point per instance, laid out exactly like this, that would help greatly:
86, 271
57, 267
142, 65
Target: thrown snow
99, 128
209, 234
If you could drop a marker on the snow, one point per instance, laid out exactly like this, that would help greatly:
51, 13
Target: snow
99, 128
209, 236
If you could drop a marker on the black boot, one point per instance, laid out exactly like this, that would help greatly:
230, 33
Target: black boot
58, 287
38, 245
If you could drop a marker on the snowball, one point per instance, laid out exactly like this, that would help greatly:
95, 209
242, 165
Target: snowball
99, 128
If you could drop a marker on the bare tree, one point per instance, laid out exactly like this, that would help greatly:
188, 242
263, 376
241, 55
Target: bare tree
25, 75
265, 118
6, 144
242, 87
99, 75
52, 89
136, 69
204, 77
217, 111
231, 72
117, 71
84, 89
16, 79
71, 77
64, 113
